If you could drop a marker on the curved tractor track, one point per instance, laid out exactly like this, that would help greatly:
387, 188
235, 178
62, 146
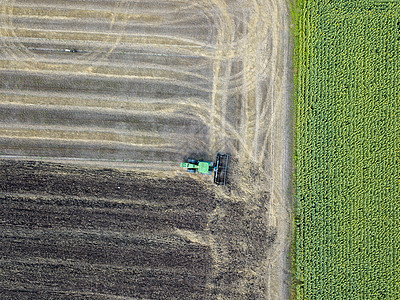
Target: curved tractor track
151, 83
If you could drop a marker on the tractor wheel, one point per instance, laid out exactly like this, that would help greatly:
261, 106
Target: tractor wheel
192, 161
191, 170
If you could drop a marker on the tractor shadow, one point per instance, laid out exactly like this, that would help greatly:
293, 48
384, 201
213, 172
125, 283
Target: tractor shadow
204, 156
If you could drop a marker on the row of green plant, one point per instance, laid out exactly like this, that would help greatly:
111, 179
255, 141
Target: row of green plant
347, 225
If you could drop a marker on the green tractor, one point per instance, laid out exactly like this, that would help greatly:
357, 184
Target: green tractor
220, 167
202, 167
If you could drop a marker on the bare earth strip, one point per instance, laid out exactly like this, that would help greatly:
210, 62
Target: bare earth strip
152, 83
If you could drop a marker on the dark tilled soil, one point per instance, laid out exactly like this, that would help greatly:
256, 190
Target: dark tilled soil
69, 232
77, 233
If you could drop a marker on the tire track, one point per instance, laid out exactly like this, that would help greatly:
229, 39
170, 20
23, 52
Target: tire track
254, 40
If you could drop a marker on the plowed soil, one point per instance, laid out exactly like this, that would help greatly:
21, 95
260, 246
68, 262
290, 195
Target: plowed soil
101, 233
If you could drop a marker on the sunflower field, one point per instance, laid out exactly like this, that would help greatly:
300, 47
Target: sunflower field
347, 218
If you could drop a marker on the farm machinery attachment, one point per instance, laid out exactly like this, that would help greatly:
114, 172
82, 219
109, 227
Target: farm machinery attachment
219, 168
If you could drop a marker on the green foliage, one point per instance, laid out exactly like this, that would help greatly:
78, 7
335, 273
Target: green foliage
348, 150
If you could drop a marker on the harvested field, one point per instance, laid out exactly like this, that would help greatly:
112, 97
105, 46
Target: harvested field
152, 83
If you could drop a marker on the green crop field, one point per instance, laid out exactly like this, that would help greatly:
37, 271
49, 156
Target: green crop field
347, 150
